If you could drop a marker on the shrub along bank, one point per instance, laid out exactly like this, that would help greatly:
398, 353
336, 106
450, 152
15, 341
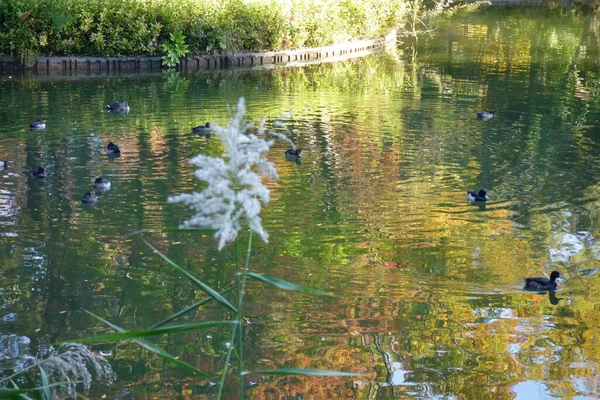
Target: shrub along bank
155, 27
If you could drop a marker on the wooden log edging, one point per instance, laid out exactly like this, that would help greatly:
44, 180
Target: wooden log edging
114, 65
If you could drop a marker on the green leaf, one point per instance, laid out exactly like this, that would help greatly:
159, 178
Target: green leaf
192, 307
301, 371
45, 384
11, 393
16, 392
170, 229
137, 232
211, 292
151, 332
178, 229
152, 347
8, 393
157, 350
285, 285
32, 383
18, 395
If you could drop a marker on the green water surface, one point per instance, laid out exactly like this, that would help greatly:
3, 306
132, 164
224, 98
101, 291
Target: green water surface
429, 300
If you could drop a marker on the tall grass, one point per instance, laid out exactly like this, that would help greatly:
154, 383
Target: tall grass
231, 201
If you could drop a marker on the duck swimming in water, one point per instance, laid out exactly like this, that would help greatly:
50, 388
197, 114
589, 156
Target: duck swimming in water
39, 173
113, 148
486, 115
202, 129
102, 184
38, 124
89, 198
292, 154
542, 283
120, 107
477, 196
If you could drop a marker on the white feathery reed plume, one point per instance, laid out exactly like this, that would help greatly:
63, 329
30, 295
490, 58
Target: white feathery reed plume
235, 189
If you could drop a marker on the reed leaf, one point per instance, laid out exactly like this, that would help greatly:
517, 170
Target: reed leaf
285, 285
151, 332
191, 308
20, 393
151, 347
183, 229
45, 384
300, 371
44, 389
170, 229
30, 380
213, 293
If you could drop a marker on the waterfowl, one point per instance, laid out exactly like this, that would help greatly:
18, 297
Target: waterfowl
101, 183
3, 164
38, 124
477, 196
292, 154
203, 129
113, 148
542, 283
39, 173
89, 198
486, 115
120, 107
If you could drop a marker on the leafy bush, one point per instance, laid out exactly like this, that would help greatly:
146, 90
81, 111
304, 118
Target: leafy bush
138, 27
174, 49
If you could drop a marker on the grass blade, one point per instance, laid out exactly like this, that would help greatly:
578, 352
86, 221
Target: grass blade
192, 307
301, 371
285, 285
21, 372
151, 332
214, 294
45, 384
137, 232
20, 395
151, 347
31, 382
11, 393
177, 229
170, 229
162, 353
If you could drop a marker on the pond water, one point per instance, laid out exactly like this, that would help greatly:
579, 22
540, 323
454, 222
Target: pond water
429, 299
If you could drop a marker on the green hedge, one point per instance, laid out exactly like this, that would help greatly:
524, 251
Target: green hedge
139, 27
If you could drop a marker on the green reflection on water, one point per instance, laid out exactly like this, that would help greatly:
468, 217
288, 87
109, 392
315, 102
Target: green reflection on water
430, 286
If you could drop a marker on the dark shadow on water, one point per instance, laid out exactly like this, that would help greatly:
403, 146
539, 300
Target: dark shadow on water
112, 156
551, 295
480, 204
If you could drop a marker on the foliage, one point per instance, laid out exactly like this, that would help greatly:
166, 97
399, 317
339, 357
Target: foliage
137, 27
175, 49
